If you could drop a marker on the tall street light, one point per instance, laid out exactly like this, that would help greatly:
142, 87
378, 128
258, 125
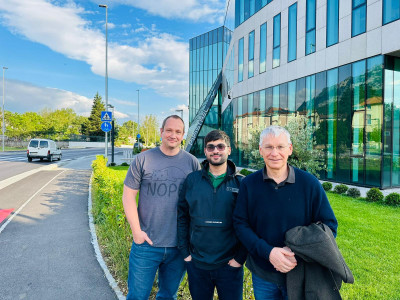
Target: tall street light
4, 125
106, 136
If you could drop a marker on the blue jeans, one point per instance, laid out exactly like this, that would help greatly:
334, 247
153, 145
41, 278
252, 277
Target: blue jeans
227, 280
265, 290
144, 261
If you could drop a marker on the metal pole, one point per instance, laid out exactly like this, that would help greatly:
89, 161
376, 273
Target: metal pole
4, 124
138, 117
106, 79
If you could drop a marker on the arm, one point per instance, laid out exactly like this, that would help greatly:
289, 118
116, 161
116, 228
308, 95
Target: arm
130, 208
322, 210
183, 223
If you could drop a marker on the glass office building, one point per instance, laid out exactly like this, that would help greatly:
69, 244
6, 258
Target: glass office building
297, 58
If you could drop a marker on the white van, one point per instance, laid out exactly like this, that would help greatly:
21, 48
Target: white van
41, 148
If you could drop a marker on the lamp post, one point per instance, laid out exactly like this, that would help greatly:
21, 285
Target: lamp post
106, 83
4, 125
138, 117
181, 111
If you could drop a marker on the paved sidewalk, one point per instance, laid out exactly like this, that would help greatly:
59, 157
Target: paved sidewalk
46, 250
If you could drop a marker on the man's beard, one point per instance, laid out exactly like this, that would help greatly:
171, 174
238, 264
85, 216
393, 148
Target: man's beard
221, 162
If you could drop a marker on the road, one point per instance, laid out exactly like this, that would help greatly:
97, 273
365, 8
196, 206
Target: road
45, 242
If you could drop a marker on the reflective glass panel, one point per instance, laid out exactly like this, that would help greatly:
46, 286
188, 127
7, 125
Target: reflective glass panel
276, 55
240, 58
358, 19
391, 11
332, 23
251, 55
331, 85
292, 32
263, 47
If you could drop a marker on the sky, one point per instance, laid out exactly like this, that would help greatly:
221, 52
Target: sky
55, 53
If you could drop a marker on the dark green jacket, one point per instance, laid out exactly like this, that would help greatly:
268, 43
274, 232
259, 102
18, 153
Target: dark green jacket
205, 228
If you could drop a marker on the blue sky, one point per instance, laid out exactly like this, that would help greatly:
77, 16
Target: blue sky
55, 52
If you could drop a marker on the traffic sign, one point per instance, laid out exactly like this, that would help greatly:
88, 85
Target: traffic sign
138, 136
106, 126
106, 116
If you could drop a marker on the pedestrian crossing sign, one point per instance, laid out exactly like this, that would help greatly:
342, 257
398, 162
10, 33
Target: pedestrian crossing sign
106, 116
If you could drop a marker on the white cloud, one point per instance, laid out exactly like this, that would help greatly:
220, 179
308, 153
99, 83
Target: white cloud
21, 95
159, 62
195, 10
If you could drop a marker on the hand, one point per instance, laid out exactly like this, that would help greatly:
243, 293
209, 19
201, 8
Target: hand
291, 258
234, 264
282, 259
187, 259
141, 237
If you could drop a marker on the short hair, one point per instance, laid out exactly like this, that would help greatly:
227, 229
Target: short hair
173, 117
275, 131
217, 135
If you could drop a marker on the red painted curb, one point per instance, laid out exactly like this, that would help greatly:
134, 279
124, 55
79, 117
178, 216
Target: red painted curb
4, 213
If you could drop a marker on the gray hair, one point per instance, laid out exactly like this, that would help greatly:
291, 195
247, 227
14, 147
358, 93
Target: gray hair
275, 131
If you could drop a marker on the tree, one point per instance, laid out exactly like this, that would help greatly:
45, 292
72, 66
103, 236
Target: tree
126, 131
149, 130
93, 127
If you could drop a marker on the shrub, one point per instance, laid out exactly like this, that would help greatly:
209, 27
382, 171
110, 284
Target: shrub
125, 164
353, 192
374, 195
340, 189
392, 199
245, 172
327, 186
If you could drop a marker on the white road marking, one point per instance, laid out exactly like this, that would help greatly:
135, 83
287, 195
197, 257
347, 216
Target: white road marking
27, 201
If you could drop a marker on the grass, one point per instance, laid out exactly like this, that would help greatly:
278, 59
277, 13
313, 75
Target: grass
368, 237
14, 148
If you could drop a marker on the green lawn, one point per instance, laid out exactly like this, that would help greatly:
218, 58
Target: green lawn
368, 237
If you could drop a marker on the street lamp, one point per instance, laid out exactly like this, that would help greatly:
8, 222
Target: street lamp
106, 83
181, 111
4, 125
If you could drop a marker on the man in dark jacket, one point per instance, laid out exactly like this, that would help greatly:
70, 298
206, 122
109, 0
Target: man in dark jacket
206, 238
270, 202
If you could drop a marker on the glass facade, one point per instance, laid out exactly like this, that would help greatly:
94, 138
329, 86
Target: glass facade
244, 9
292, 32
391, 11
311, 10
251, 55
276, 52
263, 47
358, 17
358, 130
332, 22
240, 59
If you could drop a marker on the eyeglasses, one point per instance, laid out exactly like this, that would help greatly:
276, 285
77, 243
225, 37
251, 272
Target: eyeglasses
278, 148
211, 147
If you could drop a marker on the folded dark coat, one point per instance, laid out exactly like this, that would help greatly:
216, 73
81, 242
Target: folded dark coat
320, 266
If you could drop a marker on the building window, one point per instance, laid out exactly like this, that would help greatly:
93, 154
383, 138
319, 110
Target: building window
310, 26
292, 32
251, 54
252, 7
332, 22
391, 11
240, 58
359, 20
263, 47
276, 55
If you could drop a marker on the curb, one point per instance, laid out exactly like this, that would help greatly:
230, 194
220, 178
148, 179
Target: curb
96, 247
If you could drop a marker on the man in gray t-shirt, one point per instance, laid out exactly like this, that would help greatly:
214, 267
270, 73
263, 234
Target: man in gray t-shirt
158, 174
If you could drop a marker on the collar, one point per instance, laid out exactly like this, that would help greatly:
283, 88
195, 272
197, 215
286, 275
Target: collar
289, 179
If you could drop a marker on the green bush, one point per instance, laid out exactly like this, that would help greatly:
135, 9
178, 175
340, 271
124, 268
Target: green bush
125, 164
374, 195
245, 172
392, 199
340, 189
327, 186
353, 192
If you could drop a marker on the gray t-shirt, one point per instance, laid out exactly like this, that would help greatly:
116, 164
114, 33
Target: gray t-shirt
159, 178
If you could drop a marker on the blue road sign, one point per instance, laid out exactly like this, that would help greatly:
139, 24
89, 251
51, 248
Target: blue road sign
106, 126
138, 136
106, 116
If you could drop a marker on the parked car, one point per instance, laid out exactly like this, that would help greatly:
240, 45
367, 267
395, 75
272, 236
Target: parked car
42, 148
